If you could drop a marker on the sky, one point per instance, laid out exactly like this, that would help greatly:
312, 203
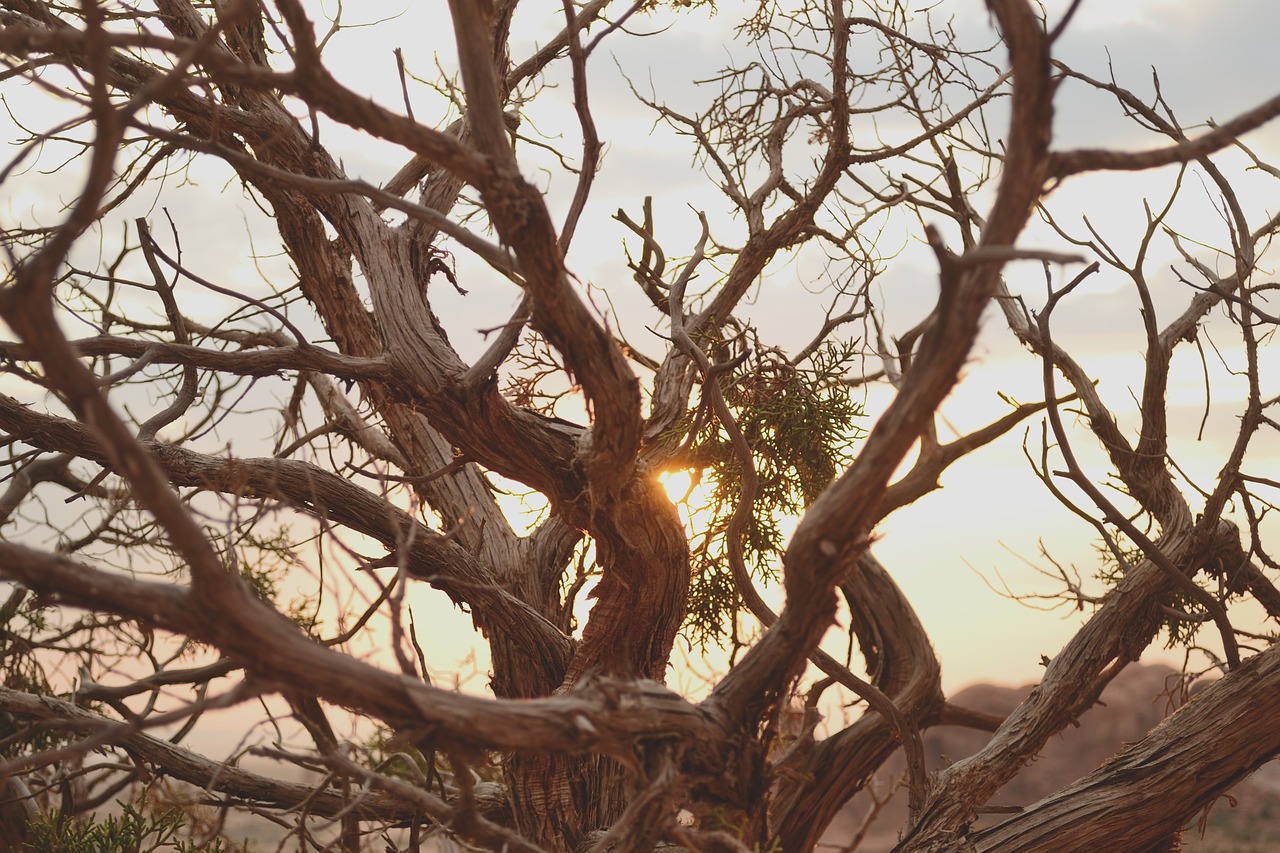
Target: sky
991, 516
987, 524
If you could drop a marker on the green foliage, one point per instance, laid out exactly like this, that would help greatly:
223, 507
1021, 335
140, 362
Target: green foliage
801, 424
265, 560
129, 832
19, 626
394, 756
679, 4
399, 760
1109, 571
20, 669
1179, 633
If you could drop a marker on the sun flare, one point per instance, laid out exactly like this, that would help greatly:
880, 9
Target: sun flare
677, 483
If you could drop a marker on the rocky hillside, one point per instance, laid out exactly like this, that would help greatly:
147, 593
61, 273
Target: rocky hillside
1246, 822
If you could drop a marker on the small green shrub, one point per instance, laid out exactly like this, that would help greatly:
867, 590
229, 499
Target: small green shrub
129, 832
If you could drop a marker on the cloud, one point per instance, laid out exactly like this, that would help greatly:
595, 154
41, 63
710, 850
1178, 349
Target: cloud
1213, 60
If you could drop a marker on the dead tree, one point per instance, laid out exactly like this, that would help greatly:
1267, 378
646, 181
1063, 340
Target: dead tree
186, 447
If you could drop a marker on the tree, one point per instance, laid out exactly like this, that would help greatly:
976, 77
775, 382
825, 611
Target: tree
163, 548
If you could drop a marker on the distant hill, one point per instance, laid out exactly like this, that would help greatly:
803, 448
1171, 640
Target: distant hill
1132, 704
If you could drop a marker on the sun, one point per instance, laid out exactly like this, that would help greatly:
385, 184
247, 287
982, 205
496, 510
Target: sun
678, 485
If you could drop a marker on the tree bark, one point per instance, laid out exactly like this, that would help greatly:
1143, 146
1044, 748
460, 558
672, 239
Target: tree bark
1140, 797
